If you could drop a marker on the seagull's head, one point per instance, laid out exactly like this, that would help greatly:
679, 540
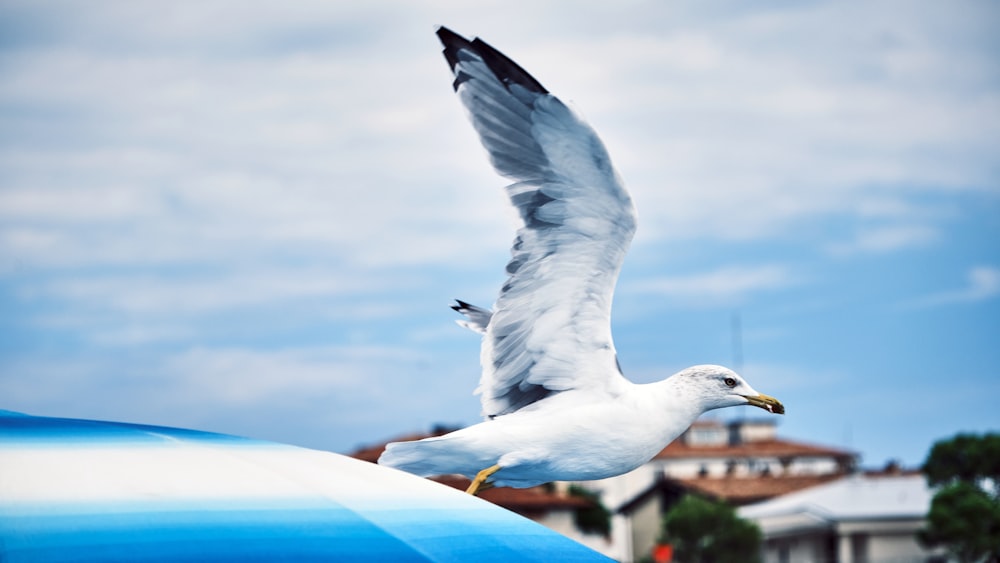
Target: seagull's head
720, 387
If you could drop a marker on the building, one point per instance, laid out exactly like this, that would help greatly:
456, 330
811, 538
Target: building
861, 518
741, 462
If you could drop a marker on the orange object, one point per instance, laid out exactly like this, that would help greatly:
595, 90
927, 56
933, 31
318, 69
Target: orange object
663, 553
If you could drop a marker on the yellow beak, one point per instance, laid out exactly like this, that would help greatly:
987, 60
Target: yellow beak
766, 402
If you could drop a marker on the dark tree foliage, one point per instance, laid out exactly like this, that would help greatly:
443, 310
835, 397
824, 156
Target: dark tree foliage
704, 531
965, 511
966, 457
593, 520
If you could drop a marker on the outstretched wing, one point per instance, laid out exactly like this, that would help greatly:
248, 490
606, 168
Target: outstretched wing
550, 330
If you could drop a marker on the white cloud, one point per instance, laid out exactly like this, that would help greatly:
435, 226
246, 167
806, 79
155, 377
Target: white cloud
982, 283
771, 136
200, 149
179, 295
170, 170
234, 376
199, 157
722, 286
886, 239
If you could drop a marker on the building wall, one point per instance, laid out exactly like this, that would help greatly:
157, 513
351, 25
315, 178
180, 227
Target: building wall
615, 491
812, 547
558, 520
813, 466
562, 522
882, 541
646, 523
690, 467
896, 547
750, 431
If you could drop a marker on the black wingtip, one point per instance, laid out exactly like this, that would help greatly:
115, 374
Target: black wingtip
461, 305
449, 37
506, 70
452, 43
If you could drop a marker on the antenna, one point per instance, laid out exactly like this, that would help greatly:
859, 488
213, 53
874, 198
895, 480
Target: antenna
738, 415
737, 330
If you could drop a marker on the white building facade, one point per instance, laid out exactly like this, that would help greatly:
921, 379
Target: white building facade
857, 519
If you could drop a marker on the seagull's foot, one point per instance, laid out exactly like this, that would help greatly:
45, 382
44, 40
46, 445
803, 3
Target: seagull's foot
479, 483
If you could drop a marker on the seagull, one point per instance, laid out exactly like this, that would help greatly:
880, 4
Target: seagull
556, 404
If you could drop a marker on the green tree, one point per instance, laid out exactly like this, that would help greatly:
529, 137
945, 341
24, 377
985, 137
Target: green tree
965, 512
595, 519
966, 457
704, 531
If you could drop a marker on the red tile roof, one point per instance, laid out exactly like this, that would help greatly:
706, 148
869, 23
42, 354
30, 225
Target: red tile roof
522, 501
775, 447
745, 490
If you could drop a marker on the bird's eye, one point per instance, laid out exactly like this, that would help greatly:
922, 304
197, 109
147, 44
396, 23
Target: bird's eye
730, 381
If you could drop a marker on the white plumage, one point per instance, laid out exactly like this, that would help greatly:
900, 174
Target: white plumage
556, 402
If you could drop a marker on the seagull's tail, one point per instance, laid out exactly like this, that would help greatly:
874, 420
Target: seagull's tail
431, 456
476, 318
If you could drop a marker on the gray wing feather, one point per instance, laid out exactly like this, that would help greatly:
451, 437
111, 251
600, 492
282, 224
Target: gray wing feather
550, 327
476, 318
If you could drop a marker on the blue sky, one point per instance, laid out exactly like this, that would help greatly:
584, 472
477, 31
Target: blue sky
251, 218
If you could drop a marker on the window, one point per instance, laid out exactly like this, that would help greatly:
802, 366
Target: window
859, 548
783, 553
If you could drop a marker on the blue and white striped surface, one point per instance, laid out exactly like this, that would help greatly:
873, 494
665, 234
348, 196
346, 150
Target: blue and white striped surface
83, 490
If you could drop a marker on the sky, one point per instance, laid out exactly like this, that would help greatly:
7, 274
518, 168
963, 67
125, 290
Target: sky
251, 217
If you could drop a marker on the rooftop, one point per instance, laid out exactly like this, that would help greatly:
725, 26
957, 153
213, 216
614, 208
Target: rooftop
522, 501
773, 447
746, 490
855, 497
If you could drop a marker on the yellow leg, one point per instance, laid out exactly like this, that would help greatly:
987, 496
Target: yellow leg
480, 481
